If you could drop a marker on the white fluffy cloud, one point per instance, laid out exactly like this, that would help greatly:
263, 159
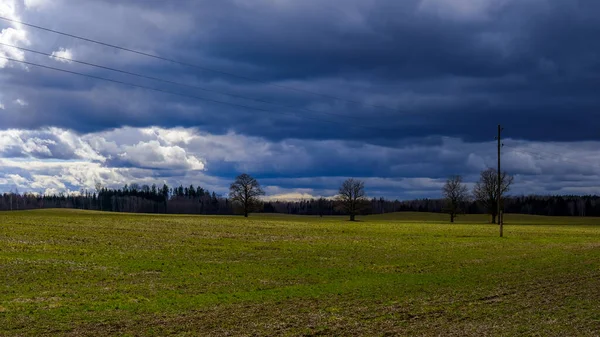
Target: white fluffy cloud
153, 154
292, 196
58, 143
17, 180
64, 55
35, 4
14, 34
61, 160
24, 143
21, 102
81, 148
277, 193
188, 148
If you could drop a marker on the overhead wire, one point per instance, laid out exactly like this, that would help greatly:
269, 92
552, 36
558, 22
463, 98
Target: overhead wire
538, 156
191, 96
158, 79
537, 153
203, 68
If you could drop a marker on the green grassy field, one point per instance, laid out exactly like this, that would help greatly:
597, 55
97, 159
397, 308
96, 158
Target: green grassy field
86, 273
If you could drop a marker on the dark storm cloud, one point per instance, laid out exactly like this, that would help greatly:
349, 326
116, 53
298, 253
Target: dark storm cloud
447, 71
453, 69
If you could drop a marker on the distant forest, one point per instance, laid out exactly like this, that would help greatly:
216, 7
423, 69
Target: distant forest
196, 200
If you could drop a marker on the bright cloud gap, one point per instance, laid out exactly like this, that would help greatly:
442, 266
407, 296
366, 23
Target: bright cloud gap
56, 159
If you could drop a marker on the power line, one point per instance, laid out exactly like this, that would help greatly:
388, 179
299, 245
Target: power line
560, 157
186, 64
178, 83
189, 96
538, 156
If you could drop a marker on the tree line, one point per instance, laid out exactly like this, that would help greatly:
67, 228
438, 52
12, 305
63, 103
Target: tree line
130, 198
245, 197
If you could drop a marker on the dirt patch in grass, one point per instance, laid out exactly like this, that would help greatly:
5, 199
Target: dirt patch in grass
531, 309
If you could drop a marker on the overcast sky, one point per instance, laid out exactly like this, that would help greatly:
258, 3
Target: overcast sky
409, 92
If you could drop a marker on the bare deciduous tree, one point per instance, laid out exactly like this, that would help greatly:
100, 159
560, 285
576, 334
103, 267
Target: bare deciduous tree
486, 190
352, 198
246, 190
456, 194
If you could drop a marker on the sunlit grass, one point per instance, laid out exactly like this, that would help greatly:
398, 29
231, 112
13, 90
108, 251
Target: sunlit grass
73, 272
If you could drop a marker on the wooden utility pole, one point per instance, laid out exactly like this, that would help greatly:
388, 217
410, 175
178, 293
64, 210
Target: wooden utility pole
499, 197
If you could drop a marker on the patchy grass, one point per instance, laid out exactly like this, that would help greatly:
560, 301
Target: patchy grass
67, 272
